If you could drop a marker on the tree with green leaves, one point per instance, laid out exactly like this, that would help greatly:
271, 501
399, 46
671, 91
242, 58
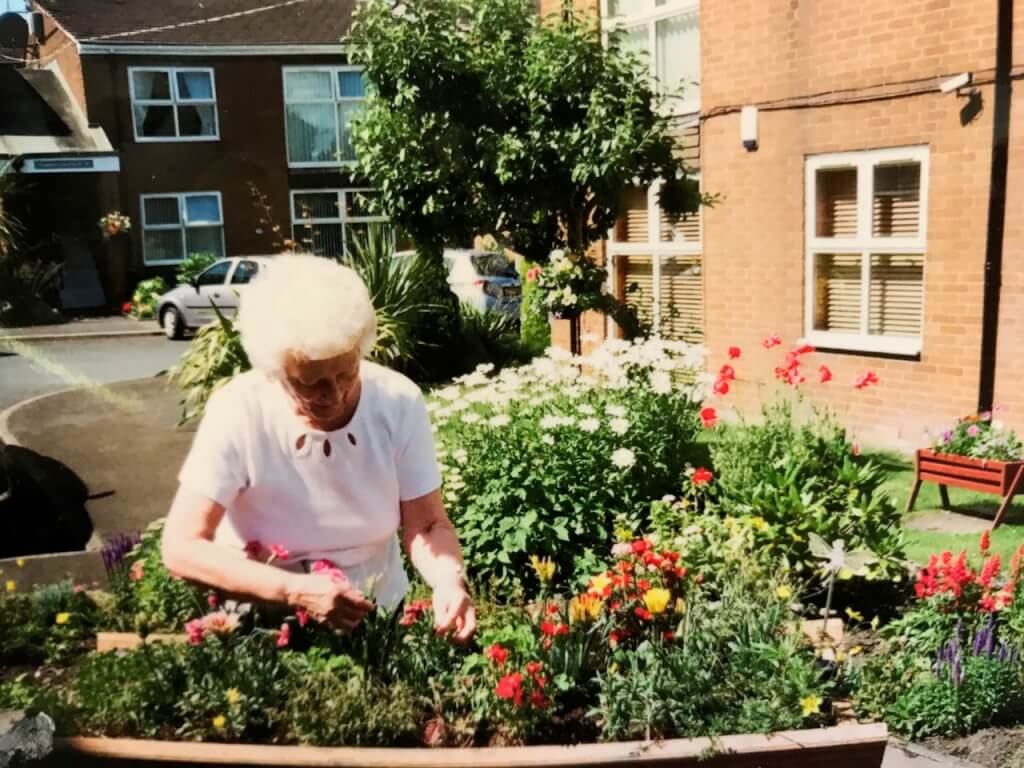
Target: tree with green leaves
486, 119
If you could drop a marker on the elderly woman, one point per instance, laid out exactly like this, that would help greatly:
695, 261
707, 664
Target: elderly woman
306, 467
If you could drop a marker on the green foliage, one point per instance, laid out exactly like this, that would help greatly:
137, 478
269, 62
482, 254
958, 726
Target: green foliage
194, 265
146, 597
534, 328
980, 437
11, 227
529, 456
486, 119
144, 300
488, 337
805, 479
51, 624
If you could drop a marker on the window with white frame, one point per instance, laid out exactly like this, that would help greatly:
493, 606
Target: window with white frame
320, 103
656, 265
326, 221
866, 246
178, 225
667, 34
177, 104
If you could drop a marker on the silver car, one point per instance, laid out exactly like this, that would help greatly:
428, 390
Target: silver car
189, 306
486, 280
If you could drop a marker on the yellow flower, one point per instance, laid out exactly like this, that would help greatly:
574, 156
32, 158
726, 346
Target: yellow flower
544, 568
219, 722
63, 617
759, 524
796, 536
784, 592
11, 586
854, 615
20, 562
810, 704
874, 624
623, 533
233, 696
656, 599
840, 656
585, 608
599, 583
856, 650
680, 606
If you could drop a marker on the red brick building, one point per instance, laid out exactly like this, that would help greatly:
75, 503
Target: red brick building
860, 220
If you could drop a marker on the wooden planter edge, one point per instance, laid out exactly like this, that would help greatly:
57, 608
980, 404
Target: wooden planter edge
865, 745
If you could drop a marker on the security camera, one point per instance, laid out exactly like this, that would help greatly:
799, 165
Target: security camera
955, 83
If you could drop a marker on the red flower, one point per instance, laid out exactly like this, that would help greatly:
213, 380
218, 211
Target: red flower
412, 612
728, 373
990, 570
195, 631
302, 616
864, 381
643, 613
497, 654
771, 341
643, 584
824, 374
986, 542
640, 546
702, 476
804, 349
734, 353
327, 568
669, 636
548, 628
126, 307
532, 274
672, 557
137, 572
211, 600
708, 417
284, 636
552, 610
721, 387
511, 687
252, 549
533, 667
279, 552
538, 701
616, 636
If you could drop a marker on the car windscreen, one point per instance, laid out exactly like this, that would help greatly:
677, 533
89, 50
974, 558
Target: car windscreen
493, 264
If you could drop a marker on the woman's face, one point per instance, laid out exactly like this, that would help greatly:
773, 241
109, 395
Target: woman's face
325, 392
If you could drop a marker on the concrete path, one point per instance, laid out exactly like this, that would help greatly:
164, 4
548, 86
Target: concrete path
91, 327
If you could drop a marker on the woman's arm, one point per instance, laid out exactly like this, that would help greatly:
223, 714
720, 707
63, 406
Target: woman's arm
433, 547
188, 551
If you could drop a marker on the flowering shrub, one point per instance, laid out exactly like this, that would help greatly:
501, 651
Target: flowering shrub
569, 284
981, 437
114, 223
541, 459
48, 624
143, 303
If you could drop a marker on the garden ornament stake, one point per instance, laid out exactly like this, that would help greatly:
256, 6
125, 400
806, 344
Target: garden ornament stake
836, 559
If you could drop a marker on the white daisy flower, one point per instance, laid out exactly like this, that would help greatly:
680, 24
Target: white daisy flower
586, 410
548, 440
460, 455
623, 458
616, 410
501, 420
471, 418
619, 426
661, 383
590, 425
550, 421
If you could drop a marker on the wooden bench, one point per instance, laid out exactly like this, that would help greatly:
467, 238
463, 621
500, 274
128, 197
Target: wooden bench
1002, 478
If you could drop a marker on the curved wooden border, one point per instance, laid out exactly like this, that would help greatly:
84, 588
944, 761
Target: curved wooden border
848, 746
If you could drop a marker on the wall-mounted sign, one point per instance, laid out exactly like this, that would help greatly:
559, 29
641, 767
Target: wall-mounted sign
95, 164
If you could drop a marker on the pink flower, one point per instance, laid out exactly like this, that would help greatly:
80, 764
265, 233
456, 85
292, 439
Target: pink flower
302, 616
804, 349
771, 341
284, 636
79, 588
973, 430
702, 477
864, 381
734, 353
532, 273
413, 611
824, 374
279, 553
327, 568
708, 417
622, 549
721, 387
137, 572
211, 600
195, 631
855, 448
253, 549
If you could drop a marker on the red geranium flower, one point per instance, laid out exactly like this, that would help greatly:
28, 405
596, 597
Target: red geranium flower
734, 353
533, 667
126, 307
708, 417
284, 636
511, 687
640, 546
702, 476
538, 701
497, 654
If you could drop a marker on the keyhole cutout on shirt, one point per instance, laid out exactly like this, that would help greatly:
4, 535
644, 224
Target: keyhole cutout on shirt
300, 442
327, 447
352, 438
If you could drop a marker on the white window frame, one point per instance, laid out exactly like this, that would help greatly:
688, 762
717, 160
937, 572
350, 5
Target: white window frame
650, 18
342, 218
336, 99
655, 248
865, 244
174, 102
183, 223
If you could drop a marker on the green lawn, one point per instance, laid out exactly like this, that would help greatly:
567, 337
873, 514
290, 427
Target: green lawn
921, 544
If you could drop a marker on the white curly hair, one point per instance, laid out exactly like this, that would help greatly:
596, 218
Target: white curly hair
305, 306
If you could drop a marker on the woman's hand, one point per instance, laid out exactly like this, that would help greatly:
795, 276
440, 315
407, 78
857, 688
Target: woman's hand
328, 599
454, 614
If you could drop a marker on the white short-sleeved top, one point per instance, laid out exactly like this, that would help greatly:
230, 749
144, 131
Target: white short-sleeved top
321, 495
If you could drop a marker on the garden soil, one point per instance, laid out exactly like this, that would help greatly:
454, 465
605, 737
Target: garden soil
991, 748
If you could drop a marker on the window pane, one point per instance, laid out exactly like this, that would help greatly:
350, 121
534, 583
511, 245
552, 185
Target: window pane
244, 272
202, 209
896, 209
686, 230
627, 7
215, 275
161, 210
632, 225
357, 203
312, 133
347, 111
678, 55
317, 205
836, 205
837, 291
638, 285
197, 120
636, 40
305, 86
681, 292
154, 121
195, 85
321, 239
151, 85
204, 240
350, 85
896, 298
162, 245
